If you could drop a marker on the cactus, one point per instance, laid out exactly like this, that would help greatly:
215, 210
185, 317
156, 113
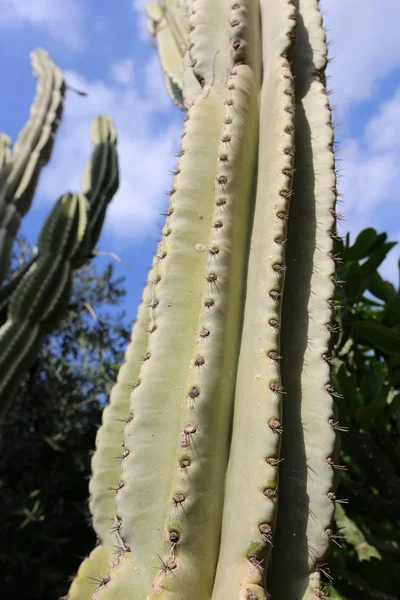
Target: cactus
20, 166
36, 296
230, 355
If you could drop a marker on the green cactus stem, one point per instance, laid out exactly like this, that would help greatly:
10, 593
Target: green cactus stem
66, 242
21, 166
168, 23
35, 304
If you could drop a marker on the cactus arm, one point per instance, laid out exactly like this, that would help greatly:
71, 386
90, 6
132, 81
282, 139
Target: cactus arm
37, 300
8, 288
174, 92
93, 569
150, 437
254, 453
5, 149
110, 450
32, 150
171, 47
310, 444
100, 178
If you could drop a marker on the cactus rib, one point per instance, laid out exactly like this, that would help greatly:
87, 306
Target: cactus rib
65, 243
252, 486
155, 404
198, 489
110, 450
20, 171
310, 445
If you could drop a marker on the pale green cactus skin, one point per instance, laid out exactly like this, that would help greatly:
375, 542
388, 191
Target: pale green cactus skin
209, 504
36, 296
93, 569
20, 166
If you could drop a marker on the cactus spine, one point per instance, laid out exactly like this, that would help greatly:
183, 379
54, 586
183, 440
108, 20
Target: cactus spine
207, 504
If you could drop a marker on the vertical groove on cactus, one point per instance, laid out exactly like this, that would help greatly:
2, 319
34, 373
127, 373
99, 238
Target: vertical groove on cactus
310, 444
252, 486
150, 437
191, 540
20, 171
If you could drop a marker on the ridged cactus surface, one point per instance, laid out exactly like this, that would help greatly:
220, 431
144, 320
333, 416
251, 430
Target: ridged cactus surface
216, 464
35, 298
21, 164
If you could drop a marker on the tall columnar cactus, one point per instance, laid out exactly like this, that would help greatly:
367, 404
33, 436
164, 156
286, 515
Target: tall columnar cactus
223, 479
37, 298
21, 164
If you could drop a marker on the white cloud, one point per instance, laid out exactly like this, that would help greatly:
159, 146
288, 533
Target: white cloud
62, 19
371, 179
146, 152
365, 46
383, 131
123, 71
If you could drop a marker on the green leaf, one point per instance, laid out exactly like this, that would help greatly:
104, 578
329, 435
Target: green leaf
376, 259
380, 288
394, 407
366, 415
366, 240
379, 336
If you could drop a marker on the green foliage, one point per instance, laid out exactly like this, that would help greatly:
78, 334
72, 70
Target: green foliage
46, 439
368, 377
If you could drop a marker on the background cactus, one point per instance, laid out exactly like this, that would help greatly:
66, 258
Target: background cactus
207, 403
32, 300
21, 164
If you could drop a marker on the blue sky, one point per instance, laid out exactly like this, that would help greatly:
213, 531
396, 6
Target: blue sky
104, 48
